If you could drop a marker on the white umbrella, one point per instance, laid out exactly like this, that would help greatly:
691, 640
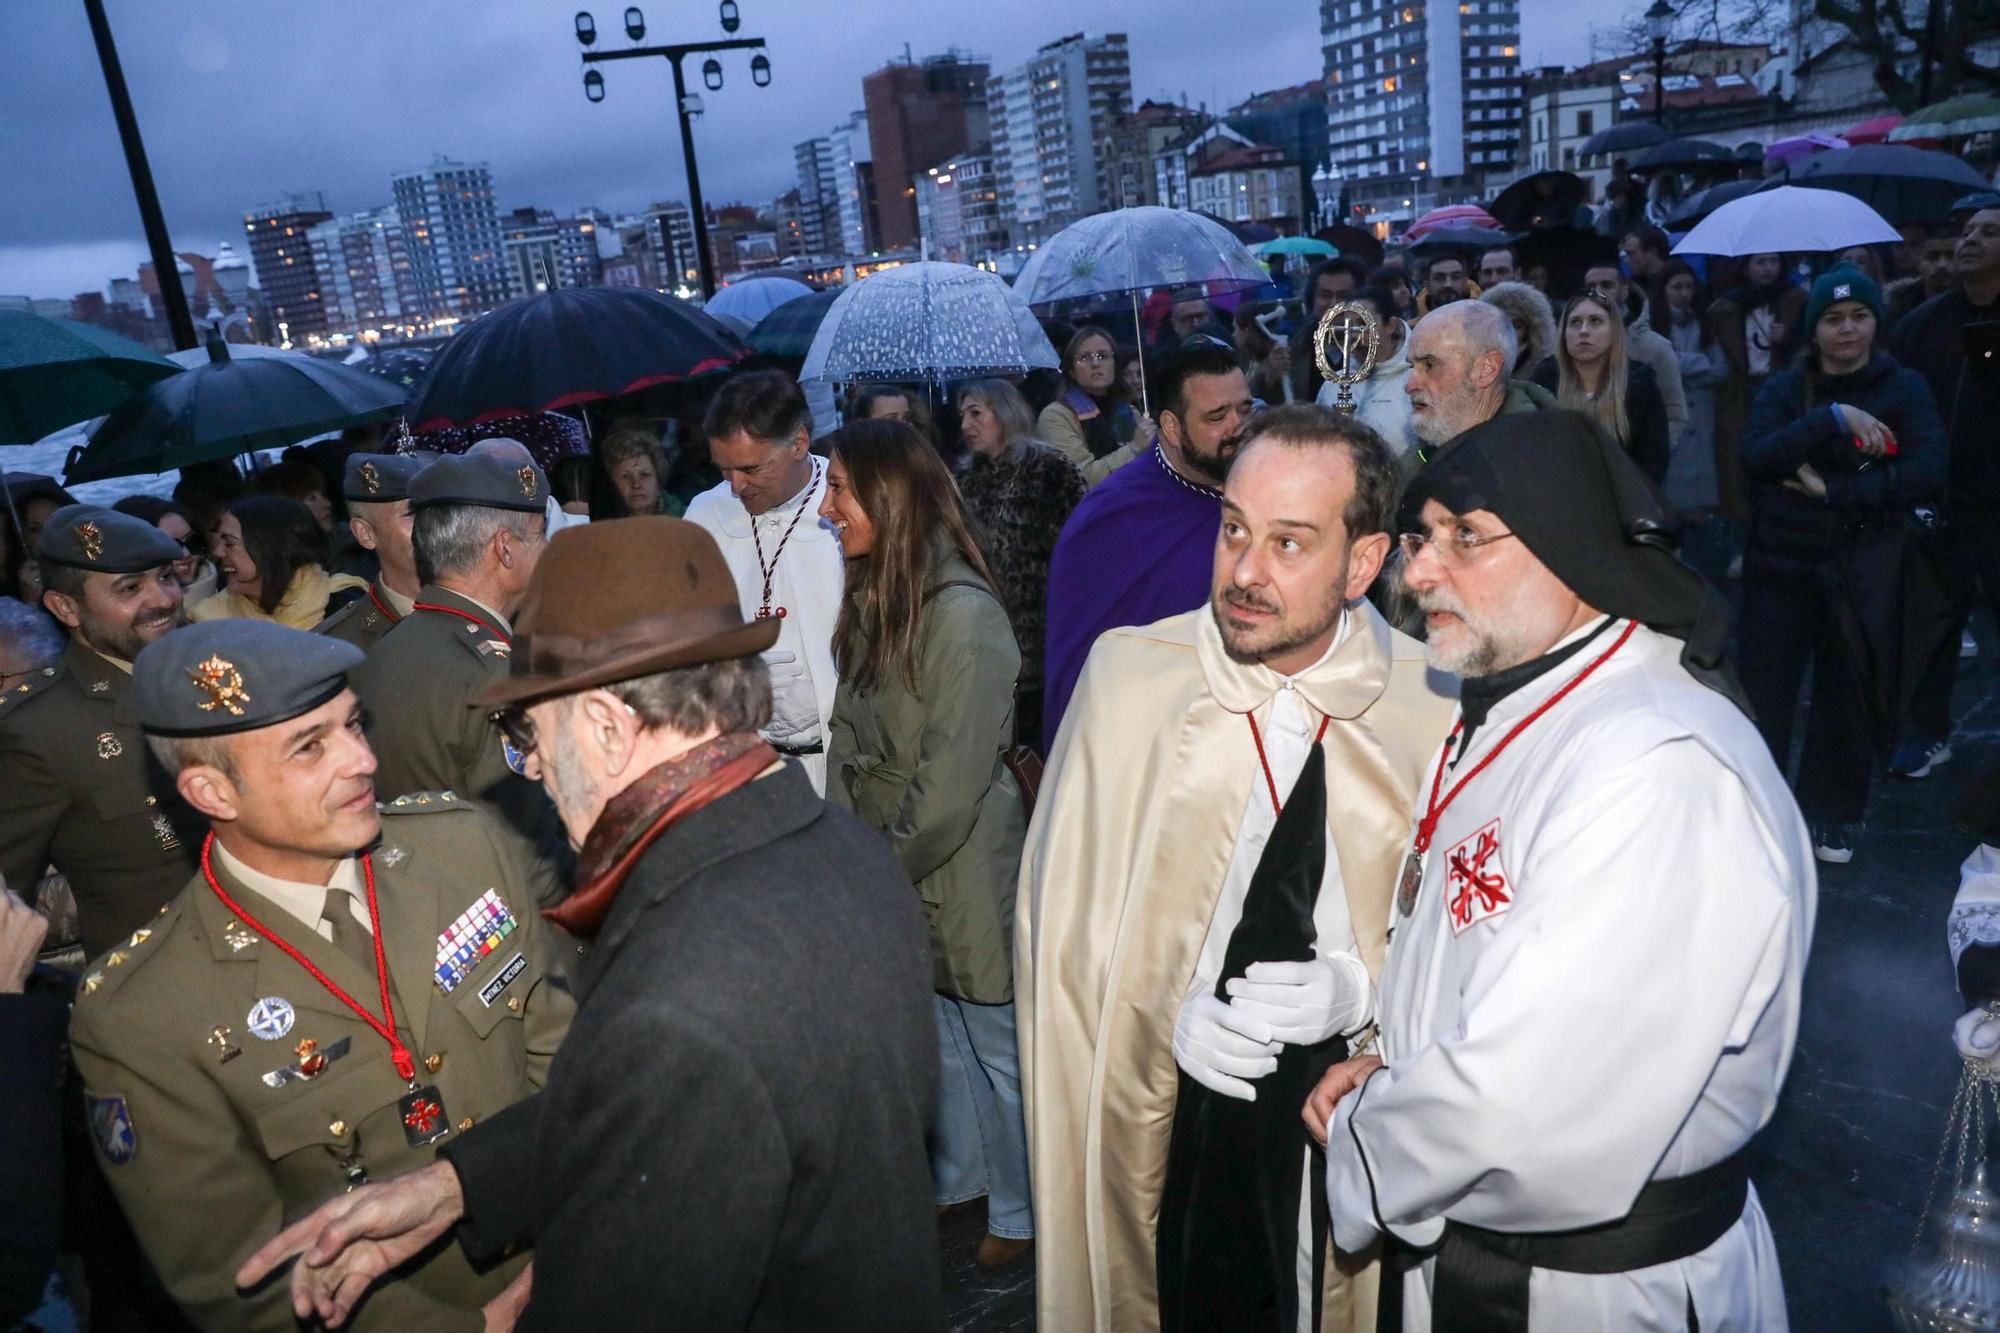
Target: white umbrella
750, 299
1787, 218
927, 322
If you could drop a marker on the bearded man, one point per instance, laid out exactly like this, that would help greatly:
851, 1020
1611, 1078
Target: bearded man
1460, 356
1592, 988
1200, 921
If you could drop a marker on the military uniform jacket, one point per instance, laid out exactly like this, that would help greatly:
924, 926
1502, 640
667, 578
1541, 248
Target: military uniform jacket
416, 685
188, 1038
363, 621
80, 790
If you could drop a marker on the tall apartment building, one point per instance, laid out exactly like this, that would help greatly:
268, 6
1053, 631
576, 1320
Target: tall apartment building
670, 243
854, 186
1423, 98
452, 229
283, 259
958, 210
1125, 156
546, 253
920, 114
364, 270
1049, 116
819, 196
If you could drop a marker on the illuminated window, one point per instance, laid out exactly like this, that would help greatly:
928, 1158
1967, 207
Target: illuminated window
1388, 85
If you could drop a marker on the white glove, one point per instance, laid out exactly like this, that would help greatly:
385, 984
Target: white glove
1977, 1033
1221, 1048
1304, 1003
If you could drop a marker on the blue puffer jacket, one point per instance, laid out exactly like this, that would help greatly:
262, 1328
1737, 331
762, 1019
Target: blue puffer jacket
1793, 423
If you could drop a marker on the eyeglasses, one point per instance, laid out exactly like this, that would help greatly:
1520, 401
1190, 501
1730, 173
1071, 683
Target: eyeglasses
517, 727
1457, 551
1092, 358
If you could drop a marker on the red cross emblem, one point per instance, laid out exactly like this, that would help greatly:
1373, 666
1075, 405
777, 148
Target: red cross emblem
1475, 881
423, 1114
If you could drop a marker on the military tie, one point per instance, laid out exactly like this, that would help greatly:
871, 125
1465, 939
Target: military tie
349, 936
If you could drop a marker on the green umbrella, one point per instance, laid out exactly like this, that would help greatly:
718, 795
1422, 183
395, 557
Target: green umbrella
1296, 245
1974, 113
56, 372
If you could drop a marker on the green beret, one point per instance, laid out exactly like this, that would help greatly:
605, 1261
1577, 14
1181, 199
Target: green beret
105, 541
375, 479
224, 676
483, 480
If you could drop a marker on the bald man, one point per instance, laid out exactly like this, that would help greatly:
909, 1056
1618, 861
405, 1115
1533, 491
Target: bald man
1459, 358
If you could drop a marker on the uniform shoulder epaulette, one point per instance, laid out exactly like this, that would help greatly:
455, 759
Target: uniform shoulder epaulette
103, 976
38, 682
423, 803
343, 615
479, 641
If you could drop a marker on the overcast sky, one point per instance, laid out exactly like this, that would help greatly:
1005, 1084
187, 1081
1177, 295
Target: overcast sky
240, 100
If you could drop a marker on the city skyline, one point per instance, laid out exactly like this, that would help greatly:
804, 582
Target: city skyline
216, 151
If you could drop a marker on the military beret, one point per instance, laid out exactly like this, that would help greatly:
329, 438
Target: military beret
93, 537
483, 480
218, 677
379, 478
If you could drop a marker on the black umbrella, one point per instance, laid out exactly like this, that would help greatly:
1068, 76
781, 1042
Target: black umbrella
1545, 199
1623, 138
401, 365
1452, 240
1353, 243
1903, 184
1565, 254
1699, 205
558, 349
1681, 155
227, 407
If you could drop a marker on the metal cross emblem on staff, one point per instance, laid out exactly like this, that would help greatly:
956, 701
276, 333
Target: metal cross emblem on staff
1344, 346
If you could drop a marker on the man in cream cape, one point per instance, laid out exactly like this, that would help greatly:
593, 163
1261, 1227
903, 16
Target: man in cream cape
1185, 738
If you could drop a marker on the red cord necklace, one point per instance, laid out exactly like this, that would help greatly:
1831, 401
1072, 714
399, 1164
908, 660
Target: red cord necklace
382, 606
462, 615
1277, 807
1413, 864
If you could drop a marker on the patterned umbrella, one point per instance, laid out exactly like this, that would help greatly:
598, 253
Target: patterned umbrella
401, 365
1131, 251
1451, 215
56, 372
549, 436
927, 322
786, 334
577, 345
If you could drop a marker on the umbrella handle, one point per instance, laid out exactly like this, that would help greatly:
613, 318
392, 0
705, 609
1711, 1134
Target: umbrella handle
1139, 343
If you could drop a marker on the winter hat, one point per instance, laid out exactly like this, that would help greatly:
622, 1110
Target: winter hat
1842, 283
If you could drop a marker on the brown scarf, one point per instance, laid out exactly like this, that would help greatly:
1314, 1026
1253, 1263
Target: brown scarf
635, 818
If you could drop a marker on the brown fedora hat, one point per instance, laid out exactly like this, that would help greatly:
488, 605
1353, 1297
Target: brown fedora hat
623, 598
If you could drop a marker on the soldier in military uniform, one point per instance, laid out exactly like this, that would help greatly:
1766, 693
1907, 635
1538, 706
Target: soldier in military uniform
77, 787
243, 1057
377, 488
478, 531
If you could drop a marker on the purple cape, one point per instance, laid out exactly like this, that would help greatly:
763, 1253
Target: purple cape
1140, 548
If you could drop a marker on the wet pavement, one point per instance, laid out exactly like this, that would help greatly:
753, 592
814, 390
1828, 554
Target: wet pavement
1846, 1163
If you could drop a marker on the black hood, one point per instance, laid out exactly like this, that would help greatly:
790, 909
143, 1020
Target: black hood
1578, 501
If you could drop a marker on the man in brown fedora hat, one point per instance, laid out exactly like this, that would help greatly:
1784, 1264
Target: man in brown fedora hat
733, 1135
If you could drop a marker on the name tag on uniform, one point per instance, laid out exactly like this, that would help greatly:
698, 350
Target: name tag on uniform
464, 944
491, 990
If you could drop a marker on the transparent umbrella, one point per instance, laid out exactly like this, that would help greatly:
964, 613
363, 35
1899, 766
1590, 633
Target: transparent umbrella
930, 323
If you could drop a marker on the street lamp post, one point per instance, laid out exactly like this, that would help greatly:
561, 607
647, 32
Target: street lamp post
686, 107
1659, 23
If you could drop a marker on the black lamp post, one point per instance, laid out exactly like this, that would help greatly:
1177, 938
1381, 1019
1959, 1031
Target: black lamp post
686, 106
1659, 23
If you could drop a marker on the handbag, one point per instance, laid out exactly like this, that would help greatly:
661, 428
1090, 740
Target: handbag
1020, 760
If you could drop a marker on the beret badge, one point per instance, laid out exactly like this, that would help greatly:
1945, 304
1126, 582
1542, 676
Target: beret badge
223, 683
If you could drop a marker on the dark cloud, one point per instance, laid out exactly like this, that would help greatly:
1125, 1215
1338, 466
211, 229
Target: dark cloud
243, 99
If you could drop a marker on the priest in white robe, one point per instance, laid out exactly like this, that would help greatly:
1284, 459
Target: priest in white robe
1157, 1018
1592, 987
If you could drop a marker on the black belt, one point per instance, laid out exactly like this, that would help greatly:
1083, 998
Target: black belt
1481, 1283
798, 751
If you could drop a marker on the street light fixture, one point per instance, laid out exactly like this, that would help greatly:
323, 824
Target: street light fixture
731, 20
593, 85
1659, 26
711, 74
760, 70
635, 24
586, 28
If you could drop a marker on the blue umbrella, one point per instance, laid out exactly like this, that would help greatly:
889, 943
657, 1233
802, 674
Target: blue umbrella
228, 407
927, 323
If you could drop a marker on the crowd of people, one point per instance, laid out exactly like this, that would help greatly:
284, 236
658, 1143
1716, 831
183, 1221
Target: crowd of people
656, 882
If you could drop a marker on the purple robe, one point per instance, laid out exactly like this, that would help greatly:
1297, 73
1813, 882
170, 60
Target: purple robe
1140, 548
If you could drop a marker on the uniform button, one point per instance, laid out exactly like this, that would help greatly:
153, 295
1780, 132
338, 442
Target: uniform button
337, 1128
434, 1062
152, 800
465, 1124
513, 1004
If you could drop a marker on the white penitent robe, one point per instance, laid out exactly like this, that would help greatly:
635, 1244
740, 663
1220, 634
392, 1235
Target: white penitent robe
1140, 818
1598, 987
808, 583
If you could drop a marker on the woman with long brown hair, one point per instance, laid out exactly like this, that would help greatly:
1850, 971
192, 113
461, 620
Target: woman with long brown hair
1593, 375
923, 715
